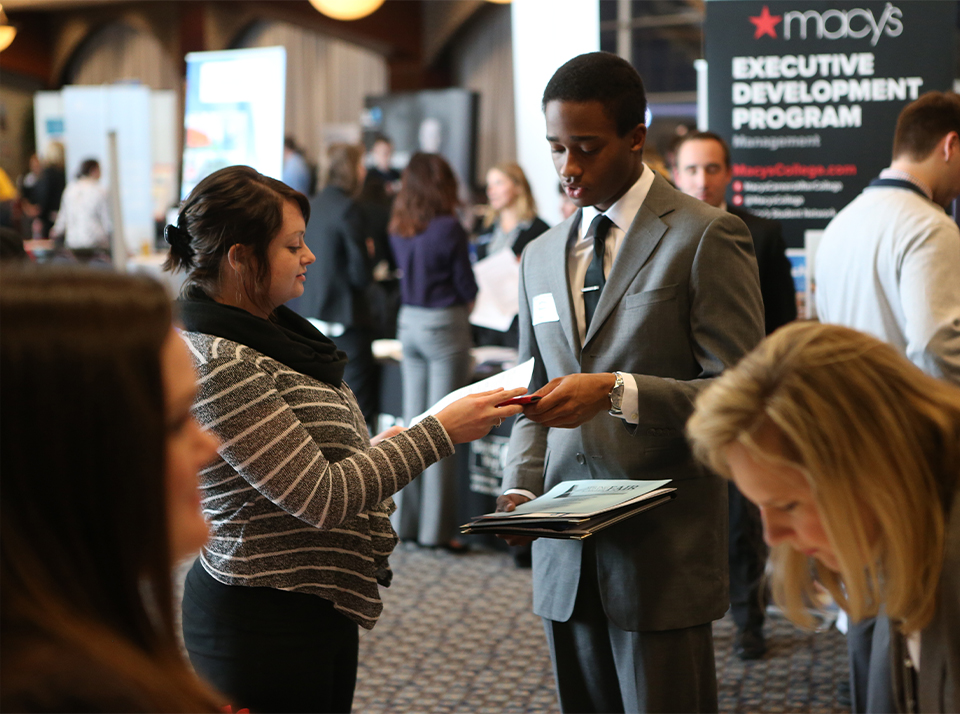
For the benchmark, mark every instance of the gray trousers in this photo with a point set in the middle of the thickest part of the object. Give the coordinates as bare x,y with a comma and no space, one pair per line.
600,668
436,360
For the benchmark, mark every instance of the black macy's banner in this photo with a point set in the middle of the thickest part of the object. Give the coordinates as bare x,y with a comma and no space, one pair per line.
808,93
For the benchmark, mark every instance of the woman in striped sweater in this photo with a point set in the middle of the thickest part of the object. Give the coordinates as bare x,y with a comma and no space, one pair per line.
299,498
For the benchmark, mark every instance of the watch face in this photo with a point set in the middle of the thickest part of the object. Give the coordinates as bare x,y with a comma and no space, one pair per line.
616,394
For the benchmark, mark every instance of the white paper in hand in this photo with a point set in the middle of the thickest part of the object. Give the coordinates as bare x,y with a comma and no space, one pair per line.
498,282
514,378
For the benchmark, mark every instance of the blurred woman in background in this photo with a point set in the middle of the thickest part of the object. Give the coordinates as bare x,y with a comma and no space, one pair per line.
510,222
98,494
511,219
84,216
335,289
853,456
48,190
437,290
299,497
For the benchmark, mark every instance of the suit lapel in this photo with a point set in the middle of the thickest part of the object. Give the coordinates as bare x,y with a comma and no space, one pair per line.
641,240
556,269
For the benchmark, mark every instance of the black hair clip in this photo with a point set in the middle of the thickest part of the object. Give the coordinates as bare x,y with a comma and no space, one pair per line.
179,240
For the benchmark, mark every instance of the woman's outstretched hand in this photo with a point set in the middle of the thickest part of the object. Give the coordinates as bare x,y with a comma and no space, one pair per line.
392,431
475,415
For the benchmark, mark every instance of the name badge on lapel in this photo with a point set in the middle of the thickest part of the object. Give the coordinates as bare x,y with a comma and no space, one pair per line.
544,309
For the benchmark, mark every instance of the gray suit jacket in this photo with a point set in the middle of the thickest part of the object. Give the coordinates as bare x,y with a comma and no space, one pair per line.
938,683
681,303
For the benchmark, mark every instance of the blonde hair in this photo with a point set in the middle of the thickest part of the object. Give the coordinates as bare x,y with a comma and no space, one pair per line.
526,206
342,167
878,442
54,155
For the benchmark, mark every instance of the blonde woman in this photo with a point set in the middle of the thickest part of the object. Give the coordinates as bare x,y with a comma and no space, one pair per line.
853,456
510,223
511,219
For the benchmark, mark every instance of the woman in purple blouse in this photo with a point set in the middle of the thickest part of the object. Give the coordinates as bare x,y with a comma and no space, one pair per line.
437,290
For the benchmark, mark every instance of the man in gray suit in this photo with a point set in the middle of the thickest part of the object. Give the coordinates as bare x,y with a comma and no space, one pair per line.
629,307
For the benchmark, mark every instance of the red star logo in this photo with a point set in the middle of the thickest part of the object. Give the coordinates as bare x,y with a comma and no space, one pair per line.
765,23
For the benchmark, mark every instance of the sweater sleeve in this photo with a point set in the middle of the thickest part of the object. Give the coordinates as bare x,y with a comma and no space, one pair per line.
264,441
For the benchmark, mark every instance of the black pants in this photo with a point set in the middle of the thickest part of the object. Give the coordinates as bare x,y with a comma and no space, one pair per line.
748,558
269,650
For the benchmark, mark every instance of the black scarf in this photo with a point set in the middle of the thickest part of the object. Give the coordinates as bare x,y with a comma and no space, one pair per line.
288,338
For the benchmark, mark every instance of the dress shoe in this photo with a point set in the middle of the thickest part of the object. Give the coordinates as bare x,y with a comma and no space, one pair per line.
455,546
750,644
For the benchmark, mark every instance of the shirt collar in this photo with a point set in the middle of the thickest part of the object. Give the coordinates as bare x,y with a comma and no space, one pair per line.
625,209
910,178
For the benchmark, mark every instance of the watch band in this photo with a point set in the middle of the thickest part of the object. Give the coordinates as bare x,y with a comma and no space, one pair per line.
616,396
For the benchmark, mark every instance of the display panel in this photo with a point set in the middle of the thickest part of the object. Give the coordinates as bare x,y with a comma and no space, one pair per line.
234,112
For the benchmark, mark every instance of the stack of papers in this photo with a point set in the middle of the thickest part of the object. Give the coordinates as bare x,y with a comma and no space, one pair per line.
575,509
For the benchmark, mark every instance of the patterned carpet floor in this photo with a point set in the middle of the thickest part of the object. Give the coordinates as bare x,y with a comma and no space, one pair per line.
457,635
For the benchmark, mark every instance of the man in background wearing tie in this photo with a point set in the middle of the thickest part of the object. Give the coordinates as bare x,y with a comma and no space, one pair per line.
703,171
629,307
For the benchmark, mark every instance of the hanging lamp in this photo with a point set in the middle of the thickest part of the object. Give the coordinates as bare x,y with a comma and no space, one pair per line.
7,31
346,9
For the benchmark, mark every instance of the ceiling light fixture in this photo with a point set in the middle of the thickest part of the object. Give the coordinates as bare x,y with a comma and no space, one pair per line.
7,31
346,9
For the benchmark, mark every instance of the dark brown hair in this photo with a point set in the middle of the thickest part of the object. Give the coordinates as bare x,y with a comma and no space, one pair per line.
87,167
343,164
84,555
233,206
923,123
428,189
703,136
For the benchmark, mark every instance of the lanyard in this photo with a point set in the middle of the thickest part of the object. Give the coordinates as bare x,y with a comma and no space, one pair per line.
897,183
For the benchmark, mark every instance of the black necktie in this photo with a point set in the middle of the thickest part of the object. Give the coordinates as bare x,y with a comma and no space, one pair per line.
594,281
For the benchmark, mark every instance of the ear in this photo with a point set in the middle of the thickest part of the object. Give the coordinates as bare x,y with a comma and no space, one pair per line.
237,257
638,136
951,146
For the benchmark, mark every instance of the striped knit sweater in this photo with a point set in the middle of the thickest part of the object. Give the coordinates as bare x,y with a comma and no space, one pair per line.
298,499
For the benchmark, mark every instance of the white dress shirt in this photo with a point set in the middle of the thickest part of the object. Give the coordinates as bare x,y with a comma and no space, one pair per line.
580,250
84,215
580,253
888,265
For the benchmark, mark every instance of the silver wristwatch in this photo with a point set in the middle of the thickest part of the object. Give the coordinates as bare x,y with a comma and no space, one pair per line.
616,396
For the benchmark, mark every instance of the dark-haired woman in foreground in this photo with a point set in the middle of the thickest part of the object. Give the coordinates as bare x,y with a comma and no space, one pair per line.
98,494
437,289
299,498
853,456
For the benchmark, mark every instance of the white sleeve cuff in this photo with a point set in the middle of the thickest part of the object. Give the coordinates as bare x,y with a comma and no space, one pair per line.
520,492
630,404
